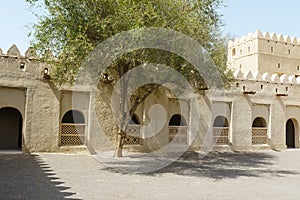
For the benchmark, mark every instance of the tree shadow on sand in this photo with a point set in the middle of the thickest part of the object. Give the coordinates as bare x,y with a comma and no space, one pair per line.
215,165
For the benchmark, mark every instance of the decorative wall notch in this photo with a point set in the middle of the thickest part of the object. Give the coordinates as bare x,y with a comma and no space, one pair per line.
245,91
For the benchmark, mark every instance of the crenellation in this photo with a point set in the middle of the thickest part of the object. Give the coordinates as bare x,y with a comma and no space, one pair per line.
298,80
249,36
238,74
230,43
258,34
275,78
294,41
248,75
277,38
49,55
14,51
257,75
266,76
287,39
283,78
243,39
30,53
292,79
266,35
237,40
273,36
280,38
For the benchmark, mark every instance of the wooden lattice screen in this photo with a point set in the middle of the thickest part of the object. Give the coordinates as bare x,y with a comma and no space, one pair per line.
72,134
220,135
178,134
133,135
259,136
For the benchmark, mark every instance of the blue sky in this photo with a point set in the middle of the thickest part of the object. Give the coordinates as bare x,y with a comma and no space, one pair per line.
14,16
240,17
279,16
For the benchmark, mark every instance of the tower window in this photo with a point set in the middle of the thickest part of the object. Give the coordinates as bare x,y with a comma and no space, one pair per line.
298,67
289,52
272,49
22,65
241,52
233,52
278,65
248,49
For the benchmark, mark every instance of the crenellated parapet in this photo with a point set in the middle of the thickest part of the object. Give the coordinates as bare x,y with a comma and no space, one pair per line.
266,77
266,85
14,52
15,66
265,36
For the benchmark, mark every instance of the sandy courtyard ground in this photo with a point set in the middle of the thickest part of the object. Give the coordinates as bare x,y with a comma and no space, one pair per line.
226,175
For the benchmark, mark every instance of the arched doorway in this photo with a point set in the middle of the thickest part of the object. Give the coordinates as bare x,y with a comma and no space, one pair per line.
10,128
290,134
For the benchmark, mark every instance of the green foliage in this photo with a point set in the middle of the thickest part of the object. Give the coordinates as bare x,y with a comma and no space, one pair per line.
71,29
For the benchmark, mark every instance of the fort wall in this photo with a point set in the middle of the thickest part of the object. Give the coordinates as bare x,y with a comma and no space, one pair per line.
261,90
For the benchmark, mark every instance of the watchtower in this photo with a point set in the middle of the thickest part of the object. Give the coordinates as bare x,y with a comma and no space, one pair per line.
264,52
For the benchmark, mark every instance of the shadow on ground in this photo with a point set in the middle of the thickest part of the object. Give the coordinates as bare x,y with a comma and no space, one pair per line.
28,177
215,165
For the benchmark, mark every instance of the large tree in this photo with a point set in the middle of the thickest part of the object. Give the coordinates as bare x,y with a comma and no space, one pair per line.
71,29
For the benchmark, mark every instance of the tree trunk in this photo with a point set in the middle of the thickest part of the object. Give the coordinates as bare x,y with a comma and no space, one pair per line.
119,144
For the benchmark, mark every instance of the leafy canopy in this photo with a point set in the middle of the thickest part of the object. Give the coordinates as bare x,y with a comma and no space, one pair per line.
71,29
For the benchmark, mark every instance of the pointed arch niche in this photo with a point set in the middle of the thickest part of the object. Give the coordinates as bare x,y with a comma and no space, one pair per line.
221,130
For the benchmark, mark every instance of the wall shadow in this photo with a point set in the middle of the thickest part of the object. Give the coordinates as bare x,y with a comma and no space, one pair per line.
28,177
215,165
